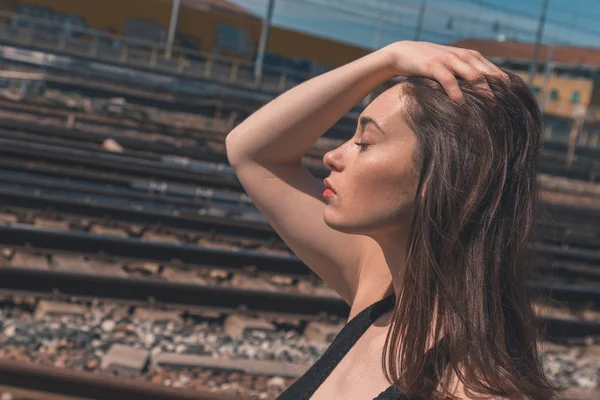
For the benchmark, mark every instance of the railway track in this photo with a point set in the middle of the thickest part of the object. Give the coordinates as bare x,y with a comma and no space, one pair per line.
133,166
240,104
194,237
552,158
75,279
27,381
276,303
178,347
558,239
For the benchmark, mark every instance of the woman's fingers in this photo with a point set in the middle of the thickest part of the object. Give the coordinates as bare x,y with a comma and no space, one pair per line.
446,78
469,65
445,64
492,68
477,60
497,71
473,72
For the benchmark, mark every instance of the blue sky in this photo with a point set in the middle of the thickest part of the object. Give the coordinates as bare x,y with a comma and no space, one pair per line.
573,22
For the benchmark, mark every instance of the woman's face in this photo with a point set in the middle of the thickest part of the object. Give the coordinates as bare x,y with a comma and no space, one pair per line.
374,185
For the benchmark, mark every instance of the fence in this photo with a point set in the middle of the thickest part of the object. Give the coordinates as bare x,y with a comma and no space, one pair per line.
126,51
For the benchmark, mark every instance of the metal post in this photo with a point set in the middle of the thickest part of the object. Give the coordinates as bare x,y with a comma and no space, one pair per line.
420,20
94,47
234,71
172,28
208,66
124,51
377,43
579,115
153,56
264,37
548,72
369,98
538,39
572,142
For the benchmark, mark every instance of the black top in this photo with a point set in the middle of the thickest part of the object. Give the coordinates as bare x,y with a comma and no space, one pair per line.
308,383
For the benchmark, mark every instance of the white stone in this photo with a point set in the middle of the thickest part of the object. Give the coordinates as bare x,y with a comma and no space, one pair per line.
9,331
276,381
108,325
149,339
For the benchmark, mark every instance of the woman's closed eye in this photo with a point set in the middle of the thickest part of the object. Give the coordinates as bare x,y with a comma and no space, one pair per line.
363,145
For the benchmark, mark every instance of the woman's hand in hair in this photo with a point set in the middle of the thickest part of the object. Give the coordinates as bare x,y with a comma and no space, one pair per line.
442,63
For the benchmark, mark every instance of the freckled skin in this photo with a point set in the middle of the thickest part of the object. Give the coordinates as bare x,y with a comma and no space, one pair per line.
375,188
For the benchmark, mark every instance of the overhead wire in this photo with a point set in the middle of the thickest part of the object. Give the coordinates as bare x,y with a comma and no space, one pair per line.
443,34
512,11
395,18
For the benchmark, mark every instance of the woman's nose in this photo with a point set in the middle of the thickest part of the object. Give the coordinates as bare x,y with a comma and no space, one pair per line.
331,159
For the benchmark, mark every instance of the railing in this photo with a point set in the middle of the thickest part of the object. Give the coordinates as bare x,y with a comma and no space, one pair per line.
127,51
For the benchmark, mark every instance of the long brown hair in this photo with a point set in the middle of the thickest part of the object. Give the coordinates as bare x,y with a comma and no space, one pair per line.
468,255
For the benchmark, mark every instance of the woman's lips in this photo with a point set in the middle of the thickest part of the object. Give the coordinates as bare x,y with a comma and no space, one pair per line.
328,185
328,193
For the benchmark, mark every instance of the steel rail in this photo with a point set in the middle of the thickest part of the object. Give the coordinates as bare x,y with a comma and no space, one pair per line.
67,382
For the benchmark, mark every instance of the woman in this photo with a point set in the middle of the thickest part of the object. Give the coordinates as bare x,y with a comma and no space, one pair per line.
424,225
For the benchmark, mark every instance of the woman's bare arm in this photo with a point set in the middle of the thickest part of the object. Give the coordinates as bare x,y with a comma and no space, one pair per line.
266,151
284,129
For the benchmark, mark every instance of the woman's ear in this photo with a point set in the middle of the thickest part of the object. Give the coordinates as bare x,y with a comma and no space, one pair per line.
423,191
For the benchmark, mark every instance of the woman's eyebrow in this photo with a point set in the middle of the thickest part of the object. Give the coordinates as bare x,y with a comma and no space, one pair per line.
363,121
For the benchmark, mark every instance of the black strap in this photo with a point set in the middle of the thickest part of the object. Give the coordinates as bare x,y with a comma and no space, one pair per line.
308,383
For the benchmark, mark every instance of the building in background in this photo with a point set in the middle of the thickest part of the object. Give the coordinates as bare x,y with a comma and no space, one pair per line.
566,84
208,26
567,80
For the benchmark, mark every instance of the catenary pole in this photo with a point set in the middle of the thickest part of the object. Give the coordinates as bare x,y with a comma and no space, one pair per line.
420,18
172,28
538,39
264,38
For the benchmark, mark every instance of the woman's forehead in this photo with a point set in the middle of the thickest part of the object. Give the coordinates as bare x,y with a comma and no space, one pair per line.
387,110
